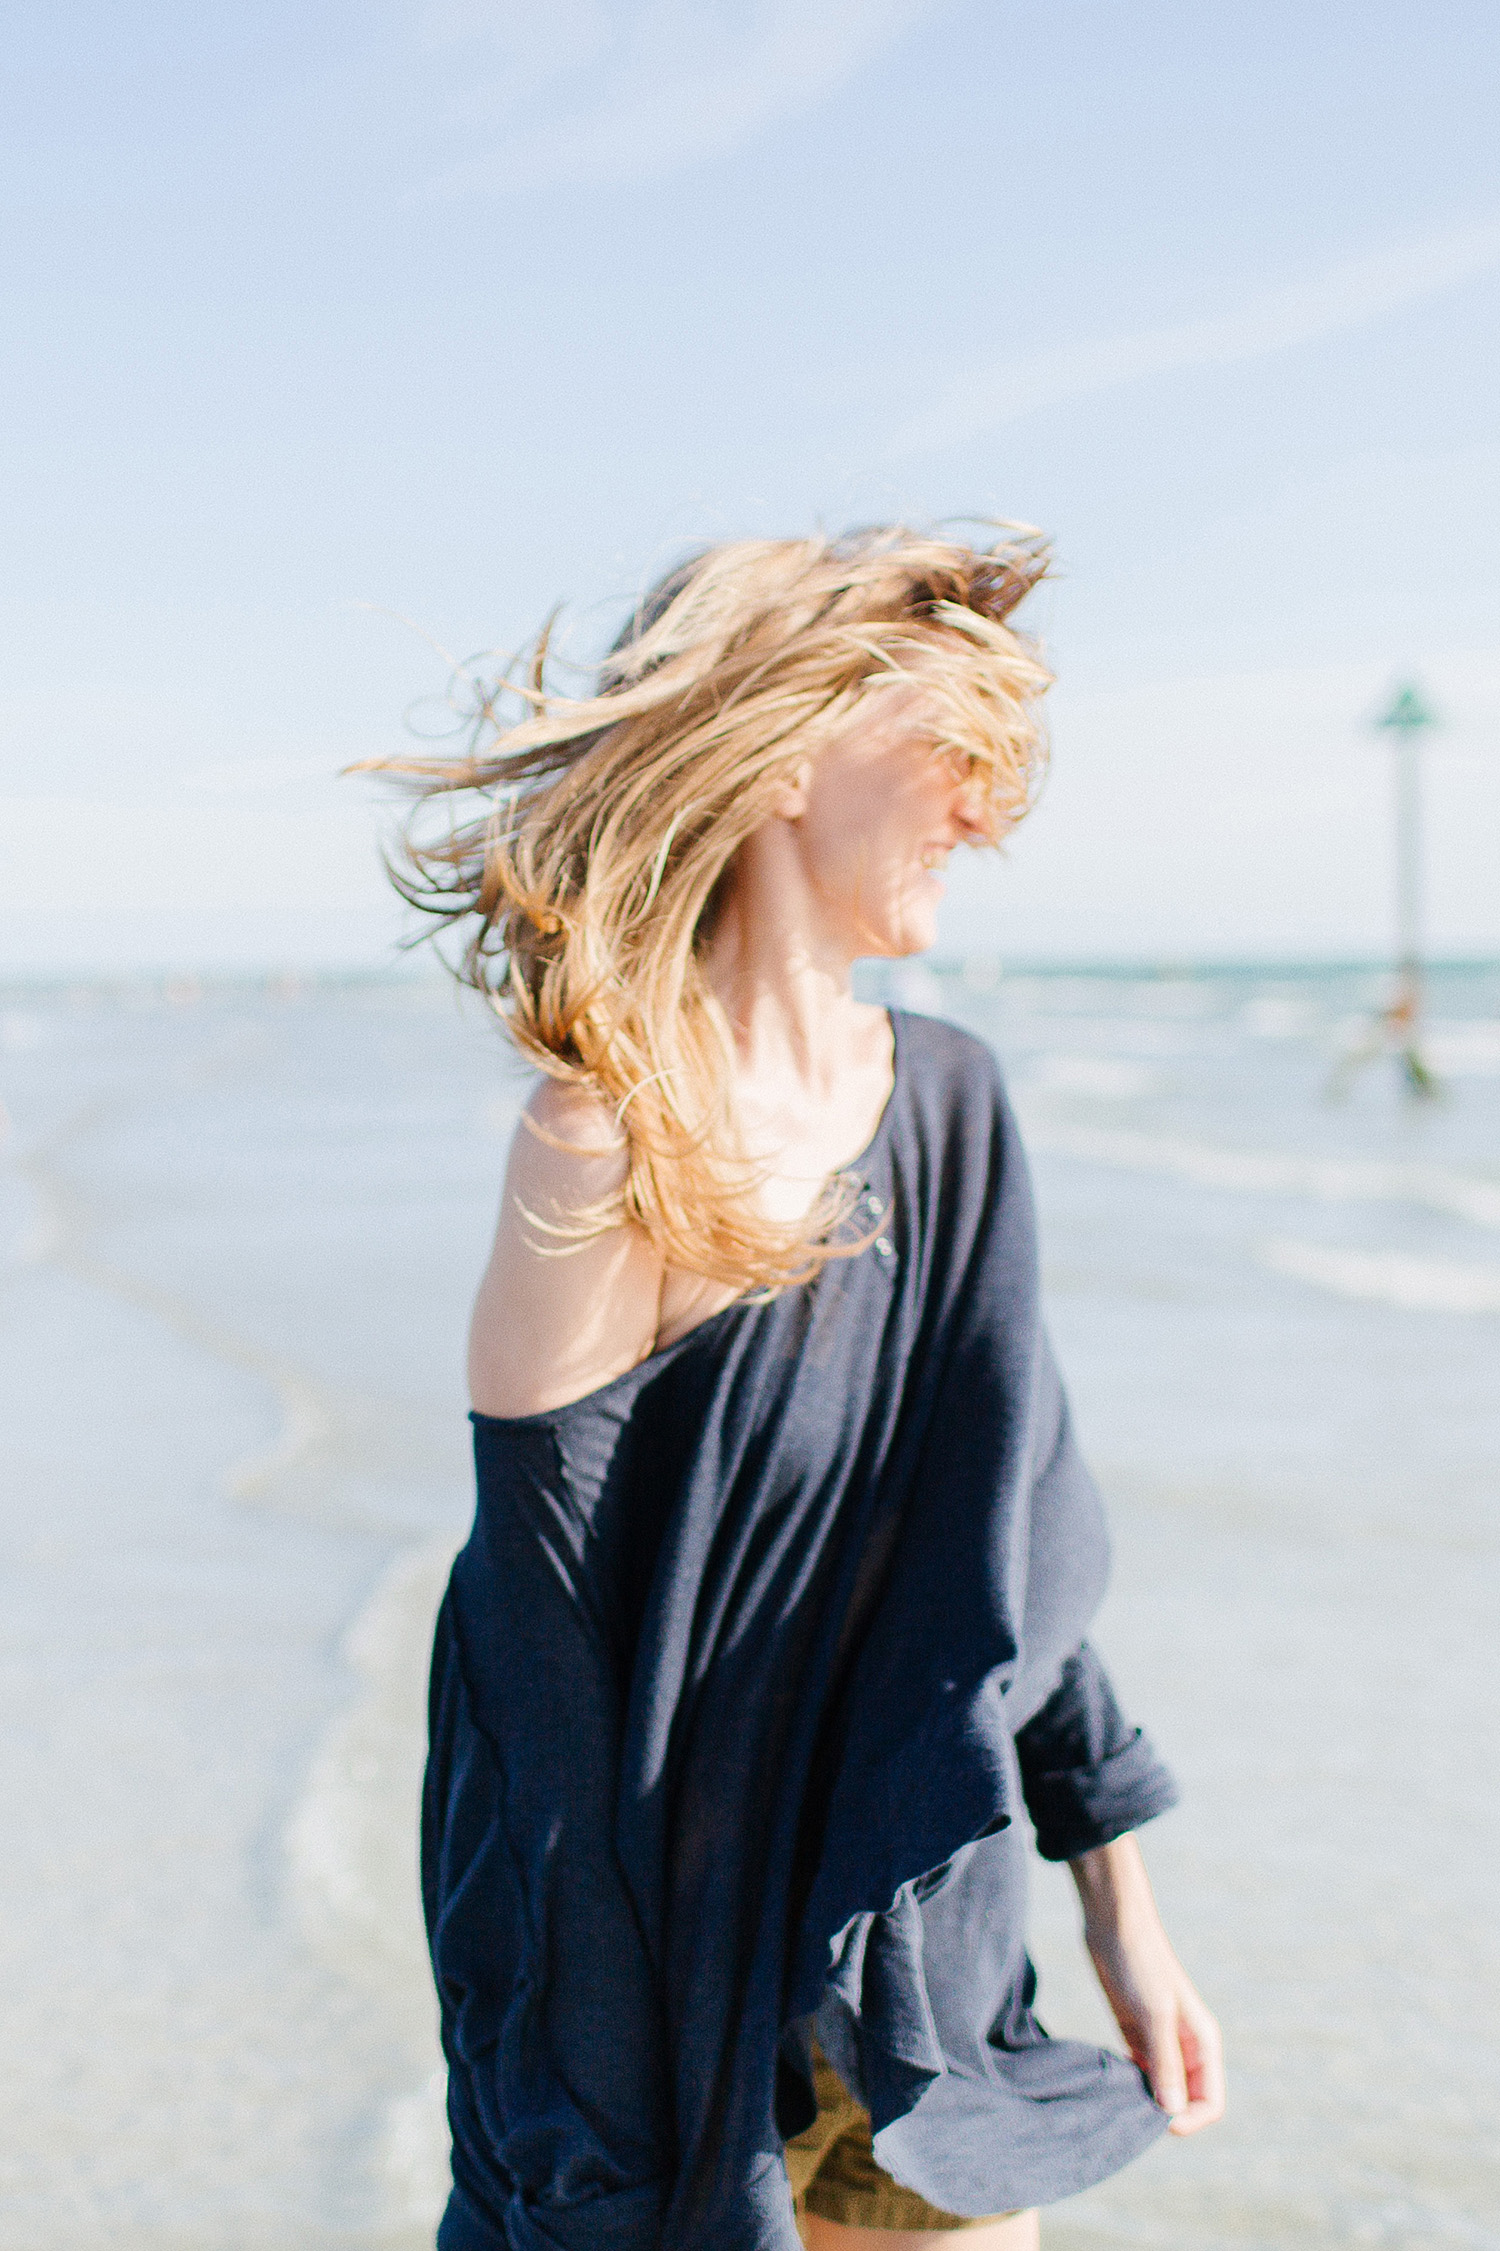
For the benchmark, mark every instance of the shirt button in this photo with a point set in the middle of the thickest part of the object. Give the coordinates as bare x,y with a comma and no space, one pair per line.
884,1247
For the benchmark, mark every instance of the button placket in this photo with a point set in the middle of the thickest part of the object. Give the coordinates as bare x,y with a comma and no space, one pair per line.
872,1208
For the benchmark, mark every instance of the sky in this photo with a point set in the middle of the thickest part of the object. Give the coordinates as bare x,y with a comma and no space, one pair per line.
342,335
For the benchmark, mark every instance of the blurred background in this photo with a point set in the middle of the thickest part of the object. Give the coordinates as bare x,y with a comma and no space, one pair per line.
342,338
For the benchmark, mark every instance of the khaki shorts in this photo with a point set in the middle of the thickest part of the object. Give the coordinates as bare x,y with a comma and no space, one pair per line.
833,2171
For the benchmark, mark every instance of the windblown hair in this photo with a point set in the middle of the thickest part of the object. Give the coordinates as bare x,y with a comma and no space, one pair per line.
586,880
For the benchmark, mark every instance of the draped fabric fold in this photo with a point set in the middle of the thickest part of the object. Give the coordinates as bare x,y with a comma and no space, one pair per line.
754,1666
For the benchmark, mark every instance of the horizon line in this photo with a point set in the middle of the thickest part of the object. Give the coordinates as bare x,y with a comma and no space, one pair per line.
1155,965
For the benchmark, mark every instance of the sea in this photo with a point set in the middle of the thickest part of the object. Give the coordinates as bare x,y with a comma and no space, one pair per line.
240,1226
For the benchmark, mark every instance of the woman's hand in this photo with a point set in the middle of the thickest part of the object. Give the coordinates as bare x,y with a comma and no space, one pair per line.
1167,2029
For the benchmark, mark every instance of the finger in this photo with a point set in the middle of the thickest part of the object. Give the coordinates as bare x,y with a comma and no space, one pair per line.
1194,2117
1206,2087
1193,2060
1203,2054
1164,2064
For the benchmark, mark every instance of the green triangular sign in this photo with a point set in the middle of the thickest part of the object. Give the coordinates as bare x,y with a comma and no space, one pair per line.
1408,712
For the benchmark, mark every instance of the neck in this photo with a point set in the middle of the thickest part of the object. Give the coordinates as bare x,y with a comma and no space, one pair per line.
780,972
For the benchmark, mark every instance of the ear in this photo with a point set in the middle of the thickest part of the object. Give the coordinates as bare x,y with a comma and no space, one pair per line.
790,801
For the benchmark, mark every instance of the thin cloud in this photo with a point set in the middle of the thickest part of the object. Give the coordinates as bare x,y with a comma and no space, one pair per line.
682,81
1364,289
524,46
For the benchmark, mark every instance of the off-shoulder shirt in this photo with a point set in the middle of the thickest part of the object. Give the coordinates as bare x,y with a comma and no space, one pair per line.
754,1665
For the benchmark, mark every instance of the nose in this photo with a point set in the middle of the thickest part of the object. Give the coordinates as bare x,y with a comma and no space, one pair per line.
970,811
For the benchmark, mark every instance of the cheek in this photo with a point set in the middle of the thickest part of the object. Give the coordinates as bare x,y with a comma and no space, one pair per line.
870,860
868,823
873,879
913,817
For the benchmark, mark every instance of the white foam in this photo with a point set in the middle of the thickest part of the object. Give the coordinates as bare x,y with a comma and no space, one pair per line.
29,1233
414,2155
1460,1048
1280,1016
305,1423
1124,1035
1099,1078
20,1033
350,1837
351,1848
1424,1285
1340,1180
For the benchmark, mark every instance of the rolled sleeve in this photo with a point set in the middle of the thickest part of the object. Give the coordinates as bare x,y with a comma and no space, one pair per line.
1087,1774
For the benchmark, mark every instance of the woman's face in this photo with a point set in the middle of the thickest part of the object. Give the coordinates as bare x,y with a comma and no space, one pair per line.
877,812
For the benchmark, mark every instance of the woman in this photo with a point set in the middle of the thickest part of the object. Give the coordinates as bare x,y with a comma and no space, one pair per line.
769,1635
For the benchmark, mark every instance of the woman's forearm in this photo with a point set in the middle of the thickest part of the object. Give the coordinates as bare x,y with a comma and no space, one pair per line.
1113,1887
1168,2030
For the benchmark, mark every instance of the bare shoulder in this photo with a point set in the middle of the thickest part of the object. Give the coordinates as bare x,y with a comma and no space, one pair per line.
565,1128
557,1317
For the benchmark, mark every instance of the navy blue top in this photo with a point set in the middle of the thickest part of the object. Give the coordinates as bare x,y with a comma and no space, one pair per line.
750,1668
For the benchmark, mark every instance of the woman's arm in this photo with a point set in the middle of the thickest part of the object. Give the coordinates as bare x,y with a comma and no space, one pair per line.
1090,1779
1167,2029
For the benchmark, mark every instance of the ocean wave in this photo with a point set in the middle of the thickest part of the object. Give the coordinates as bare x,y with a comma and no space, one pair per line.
1340,1180
1423,1285
1464,1048
1098,1078
352,1860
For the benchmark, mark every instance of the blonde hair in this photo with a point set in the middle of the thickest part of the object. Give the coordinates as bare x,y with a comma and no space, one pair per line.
585,884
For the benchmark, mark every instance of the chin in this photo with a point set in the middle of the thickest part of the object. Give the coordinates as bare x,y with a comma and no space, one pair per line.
918,934
910,928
